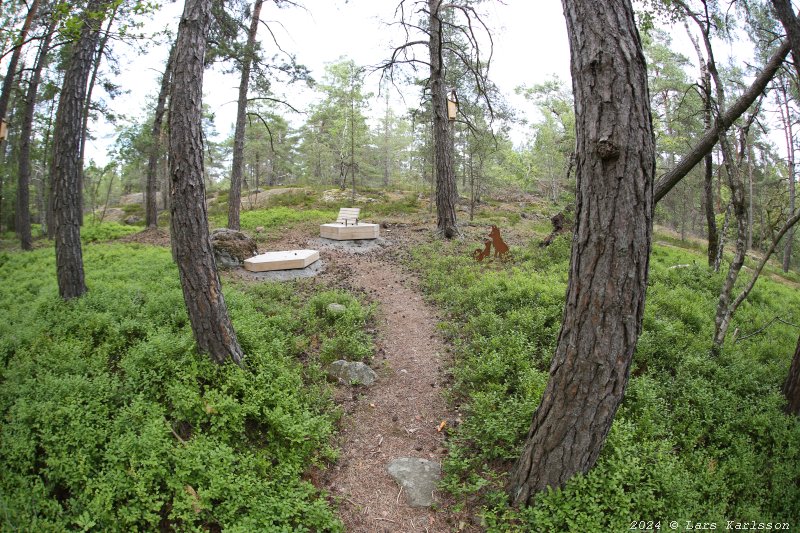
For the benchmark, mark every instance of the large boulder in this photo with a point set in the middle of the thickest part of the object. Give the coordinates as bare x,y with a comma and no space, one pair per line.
232,247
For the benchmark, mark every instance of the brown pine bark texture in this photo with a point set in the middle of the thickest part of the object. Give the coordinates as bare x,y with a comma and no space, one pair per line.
66,167
446,192
191,243
610,249
791,389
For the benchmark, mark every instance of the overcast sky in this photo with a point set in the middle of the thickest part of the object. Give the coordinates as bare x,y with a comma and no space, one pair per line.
530,45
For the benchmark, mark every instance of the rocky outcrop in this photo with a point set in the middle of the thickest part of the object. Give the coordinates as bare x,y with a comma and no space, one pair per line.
232,247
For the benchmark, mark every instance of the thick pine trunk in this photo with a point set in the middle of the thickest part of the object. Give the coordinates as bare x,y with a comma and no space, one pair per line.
610,249
202,292
151,195
791,389
26,132
65,169
446,193
235,195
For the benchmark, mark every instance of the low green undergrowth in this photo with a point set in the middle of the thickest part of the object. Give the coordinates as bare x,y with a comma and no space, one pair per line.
275,219
113,422
106,231
696,439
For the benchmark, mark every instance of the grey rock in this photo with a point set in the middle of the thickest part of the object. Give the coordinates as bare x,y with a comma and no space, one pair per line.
336,309
232,247
132,220
352,372
417,478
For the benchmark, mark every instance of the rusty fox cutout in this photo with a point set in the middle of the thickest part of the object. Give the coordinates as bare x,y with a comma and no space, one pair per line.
479,254
500,247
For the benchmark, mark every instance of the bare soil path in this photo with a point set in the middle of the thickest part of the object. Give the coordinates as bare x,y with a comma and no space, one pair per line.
400,415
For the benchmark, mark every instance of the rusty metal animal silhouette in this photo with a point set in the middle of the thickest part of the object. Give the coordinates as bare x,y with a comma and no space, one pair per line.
500,247
479,254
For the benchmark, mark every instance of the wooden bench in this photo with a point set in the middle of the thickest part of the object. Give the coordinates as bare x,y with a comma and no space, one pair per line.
348,216
348,227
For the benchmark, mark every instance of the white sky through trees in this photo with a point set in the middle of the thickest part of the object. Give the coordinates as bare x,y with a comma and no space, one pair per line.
530,45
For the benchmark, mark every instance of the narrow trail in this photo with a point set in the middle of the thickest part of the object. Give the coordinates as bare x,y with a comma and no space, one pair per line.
400,414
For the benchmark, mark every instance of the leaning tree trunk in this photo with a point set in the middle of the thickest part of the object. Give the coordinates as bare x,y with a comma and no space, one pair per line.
65,169
446,193
151,199
202,292
791,389
235,195
610,249
26,132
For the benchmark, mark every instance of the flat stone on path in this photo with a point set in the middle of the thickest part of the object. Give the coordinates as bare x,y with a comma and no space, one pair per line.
352,372
417,478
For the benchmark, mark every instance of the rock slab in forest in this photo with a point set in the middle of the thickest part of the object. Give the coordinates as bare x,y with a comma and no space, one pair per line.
352,372
231,247
417,478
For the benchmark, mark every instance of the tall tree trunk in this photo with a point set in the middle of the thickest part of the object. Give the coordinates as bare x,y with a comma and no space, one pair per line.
708,160
8,83
791,388
202,292
92,81
446,193
610,249
26,132
235,195
151,200
791,24
65,168
49,215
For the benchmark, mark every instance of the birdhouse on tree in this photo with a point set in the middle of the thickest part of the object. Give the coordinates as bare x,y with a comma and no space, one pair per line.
3,130
452,105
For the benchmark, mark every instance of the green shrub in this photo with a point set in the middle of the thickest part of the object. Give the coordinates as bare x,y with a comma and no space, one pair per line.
113,422
696,438
106,231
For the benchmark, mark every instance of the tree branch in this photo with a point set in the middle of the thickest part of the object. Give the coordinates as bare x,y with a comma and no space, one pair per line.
666,182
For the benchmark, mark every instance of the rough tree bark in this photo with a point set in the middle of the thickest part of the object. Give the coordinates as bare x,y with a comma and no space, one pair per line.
235,195
791,24
151,195
26,132
446,193
65,168
791,388
202,292
610,249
